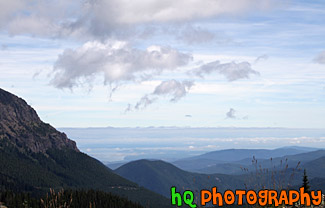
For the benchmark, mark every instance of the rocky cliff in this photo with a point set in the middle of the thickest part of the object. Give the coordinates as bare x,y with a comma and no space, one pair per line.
20,124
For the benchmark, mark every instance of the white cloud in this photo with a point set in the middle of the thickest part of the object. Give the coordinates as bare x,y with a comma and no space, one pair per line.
117,62
320,58
143,103
231,113
232,71
172,88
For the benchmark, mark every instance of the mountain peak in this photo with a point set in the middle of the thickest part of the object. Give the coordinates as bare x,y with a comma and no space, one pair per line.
21,126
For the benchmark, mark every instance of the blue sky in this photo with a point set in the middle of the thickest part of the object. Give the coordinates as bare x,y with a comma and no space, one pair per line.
178,63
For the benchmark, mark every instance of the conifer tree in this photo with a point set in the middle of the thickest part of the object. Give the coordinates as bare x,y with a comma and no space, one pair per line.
305,183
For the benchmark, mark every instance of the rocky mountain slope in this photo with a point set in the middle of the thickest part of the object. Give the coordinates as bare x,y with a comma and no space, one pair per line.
35,157
20,124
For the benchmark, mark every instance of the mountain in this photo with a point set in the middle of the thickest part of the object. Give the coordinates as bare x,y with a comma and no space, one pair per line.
236,167
35,157
230,161
160,176
317,184
315,171
114,165
21,126
305,149
225,168
315,168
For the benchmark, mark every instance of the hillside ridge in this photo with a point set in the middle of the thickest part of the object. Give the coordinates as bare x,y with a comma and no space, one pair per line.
20,124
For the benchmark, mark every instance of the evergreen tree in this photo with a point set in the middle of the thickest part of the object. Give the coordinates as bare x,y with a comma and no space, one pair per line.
305,183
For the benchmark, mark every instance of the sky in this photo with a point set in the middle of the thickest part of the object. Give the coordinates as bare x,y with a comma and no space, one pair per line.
141,63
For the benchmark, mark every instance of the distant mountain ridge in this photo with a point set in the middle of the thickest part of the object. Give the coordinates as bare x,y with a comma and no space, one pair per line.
235,168
159,176
228,172
232,158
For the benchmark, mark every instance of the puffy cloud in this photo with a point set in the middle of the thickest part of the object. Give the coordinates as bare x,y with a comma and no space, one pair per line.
172,88
320,58
232,71
231,114
117,62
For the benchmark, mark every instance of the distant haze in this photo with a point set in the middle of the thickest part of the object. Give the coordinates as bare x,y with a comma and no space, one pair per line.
171,143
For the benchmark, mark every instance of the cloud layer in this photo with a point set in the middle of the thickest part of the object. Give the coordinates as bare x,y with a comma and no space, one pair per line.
117,63
102,18
40,18
140,11
111,29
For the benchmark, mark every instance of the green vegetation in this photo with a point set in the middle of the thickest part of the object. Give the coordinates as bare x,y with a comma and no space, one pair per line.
66,199
36,173
160,176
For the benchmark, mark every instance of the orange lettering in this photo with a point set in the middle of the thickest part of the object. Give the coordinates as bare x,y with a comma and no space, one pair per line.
204,199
